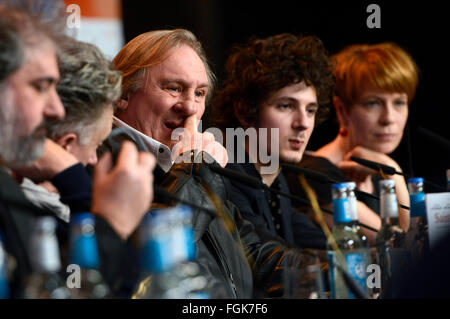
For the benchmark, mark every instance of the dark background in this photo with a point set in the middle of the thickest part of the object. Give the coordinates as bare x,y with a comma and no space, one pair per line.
420,27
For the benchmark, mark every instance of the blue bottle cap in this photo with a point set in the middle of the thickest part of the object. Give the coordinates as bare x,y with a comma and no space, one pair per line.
339,186
415,180
351,185
386,183
83,218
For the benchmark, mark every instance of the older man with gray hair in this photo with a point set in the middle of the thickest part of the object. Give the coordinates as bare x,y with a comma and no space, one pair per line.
28,78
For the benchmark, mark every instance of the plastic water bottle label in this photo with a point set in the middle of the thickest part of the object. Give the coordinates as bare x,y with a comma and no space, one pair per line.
389,206
4,287
356,267
158,254
417,206
341,210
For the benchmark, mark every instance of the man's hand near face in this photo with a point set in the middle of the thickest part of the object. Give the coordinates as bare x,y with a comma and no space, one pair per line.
53,161
191,139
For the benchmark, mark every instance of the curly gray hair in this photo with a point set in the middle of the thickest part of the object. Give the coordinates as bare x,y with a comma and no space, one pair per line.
88,86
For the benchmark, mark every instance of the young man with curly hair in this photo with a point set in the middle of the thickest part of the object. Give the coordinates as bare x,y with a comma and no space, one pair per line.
281,86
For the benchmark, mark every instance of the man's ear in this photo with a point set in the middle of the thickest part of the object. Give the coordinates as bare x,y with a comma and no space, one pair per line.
68,141
239,110
122,103
341,111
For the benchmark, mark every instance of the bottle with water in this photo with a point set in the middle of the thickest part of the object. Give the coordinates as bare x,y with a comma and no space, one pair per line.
86,282
168,267
353,250
417,235
46,281
4,284
448,179
354,214
393,256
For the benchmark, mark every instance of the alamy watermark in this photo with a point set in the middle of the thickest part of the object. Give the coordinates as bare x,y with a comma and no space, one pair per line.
257,140
374,19
73,20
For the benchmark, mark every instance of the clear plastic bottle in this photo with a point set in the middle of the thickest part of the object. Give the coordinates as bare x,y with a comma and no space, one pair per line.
350,245
354,213
84,254
168,267
4,284
417,235
46,281
393,256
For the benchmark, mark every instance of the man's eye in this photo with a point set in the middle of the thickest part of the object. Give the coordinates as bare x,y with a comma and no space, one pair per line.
174,88
200,93
41,87
312,110
284,106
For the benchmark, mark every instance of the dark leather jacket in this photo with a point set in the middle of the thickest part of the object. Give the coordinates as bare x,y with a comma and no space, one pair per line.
237,262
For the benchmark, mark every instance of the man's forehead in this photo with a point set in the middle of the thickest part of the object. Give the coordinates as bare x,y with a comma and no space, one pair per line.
43,60
182,64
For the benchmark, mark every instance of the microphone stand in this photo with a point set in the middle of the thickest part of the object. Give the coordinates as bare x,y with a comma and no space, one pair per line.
255,183
388,170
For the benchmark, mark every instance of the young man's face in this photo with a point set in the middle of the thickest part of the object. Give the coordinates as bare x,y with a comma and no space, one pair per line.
170,92
292,110
28,97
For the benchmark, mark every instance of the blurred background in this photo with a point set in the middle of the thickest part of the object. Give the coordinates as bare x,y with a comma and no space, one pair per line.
419,27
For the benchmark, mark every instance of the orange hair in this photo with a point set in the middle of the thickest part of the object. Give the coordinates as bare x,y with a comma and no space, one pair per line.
384,66
151,48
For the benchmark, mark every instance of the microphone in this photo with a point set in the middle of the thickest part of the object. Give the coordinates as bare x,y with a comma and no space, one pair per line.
255,183
388,170
322,178
435,137
166,197
376,166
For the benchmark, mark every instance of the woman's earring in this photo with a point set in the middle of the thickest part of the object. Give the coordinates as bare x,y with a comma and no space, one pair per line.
343,132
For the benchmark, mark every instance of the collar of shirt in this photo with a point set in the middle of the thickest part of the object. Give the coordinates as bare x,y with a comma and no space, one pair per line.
162,152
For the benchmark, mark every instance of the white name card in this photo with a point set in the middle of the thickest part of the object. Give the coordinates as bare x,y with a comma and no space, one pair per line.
438,215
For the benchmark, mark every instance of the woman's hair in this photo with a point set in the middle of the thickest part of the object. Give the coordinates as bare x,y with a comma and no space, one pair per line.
88,86
151,48
262,66
383,66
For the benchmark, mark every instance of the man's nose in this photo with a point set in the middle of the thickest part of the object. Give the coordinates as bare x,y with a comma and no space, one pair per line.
54,107
301,121
187,103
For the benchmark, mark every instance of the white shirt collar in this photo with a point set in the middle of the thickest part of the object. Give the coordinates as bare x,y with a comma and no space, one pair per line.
162,152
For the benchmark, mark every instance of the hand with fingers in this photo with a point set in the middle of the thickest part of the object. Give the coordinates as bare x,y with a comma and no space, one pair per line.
190,139
53,161
123,194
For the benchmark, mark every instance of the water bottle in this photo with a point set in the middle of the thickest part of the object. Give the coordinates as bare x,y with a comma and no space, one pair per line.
4,285
354,251
46,281
448,179
417,236
86,282
354,213
392,254
168,267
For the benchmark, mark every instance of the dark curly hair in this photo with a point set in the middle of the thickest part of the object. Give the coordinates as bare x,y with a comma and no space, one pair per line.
259,68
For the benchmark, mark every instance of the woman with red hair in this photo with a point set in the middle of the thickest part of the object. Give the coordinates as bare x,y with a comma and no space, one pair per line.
374,87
